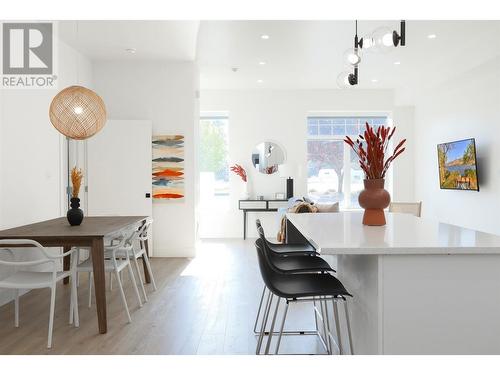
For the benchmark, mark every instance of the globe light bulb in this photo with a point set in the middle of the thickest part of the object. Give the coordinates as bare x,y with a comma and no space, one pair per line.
78,110
382,39
352,57
343,80
368,43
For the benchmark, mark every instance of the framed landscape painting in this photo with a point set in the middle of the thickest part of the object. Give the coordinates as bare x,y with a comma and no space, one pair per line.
168,167
457,165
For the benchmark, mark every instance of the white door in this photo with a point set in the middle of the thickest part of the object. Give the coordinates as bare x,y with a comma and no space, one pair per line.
119,169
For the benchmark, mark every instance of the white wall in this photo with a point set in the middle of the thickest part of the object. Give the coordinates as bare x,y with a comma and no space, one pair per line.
467,106
165,94
32,152
280,116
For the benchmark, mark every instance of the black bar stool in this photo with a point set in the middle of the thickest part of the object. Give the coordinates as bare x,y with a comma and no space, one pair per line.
295,288
286,249
288,262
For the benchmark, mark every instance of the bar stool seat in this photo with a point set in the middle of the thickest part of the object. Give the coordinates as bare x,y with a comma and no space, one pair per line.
299,264
292,249
307,285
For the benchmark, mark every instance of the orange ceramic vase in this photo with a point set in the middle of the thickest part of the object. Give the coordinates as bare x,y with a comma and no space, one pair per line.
374,198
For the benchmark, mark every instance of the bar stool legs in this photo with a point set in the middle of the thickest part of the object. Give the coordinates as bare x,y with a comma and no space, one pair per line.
337,326
281,329
349,333
329,339
271,330
258,311
264,322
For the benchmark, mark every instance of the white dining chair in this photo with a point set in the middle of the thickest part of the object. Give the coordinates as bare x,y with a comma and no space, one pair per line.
135,253
115,262
413,208
34,279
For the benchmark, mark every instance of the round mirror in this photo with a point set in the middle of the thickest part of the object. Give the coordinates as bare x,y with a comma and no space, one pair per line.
267,156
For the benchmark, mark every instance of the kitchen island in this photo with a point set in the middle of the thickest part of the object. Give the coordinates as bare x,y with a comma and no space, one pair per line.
419,286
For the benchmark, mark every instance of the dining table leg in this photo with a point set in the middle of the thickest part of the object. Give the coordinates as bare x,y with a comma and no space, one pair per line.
147,278
66,263
99,283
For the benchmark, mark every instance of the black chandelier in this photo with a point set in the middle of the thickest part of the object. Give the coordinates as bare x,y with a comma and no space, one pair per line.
381,40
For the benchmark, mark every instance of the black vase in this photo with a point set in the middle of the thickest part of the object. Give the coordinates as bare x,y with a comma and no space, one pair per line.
75,214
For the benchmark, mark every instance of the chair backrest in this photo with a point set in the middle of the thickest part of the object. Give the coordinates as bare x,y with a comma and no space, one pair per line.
130,236
414,208
260,230
6,245
267,272
143,230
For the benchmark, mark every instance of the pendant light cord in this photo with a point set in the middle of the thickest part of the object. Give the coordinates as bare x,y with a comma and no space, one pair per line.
76,54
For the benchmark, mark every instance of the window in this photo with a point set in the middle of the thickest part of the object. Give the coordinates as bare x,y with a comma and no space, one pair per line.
213,161
333,172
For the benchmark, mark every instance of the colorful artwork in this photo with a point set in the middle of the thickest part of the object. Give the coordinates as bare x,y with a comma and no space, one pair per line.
457,165
168,167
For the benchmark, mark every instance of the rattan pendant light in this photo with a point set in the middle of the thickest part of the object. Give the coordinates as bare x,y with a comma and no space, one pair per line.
77,112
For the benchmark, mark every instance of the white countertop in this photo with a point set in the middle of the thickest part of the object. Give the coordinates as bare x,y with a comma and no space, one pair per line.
343,233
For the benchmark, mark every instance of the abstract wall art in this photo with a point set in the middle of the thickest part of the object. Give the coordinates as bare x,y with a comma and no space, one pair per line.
168,167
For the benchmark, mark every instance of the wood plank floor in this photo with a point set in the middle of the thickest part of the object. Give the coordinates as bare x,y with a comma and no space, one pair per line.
205,305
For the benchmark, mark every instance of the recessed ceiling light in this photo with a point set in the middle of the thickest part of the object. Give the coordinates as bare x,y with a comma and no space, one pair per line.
374,80
260,81
131,50
432,36
264,36
397,62
262,63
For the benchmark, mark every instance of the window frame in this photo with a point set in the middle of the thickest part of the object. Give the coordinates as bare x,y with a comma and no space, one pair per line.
346,185
215,115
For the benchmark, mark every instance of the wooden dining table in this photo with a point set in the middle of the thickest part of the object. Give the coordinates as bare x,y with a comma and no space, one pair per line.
91,233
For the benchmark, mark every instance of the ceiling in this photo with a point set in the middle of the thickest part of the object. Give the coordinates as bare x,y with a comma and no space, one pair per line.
309,54
152,40
297,55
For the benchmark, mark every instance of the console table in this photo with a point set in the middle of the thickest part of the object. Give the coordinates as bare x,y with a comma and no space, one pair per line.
254,205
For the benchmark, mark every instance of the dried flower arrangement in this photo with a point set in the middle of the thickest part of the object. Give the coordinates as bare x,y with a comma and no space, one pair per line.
76,180
372,159
240,171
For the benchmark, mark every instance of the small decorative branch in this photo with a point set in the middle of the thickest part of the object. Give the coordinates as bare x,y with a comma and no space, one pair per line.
371,149
76,180
240,171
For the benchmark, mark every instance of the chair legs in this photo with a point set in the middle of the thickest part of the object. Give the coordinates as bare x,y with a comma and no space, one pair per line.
134,283
140,279
349,334
271,330
258,311
74,314
51,316
150,271
281,329
264,322
122,294
91,281
337,326
16,308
